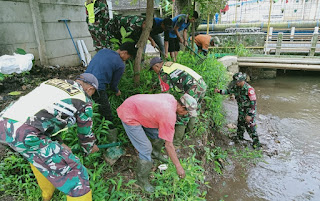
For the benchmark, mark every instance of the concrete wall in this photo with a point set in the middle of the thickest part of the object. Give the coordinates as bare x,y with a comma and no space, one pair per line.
33,26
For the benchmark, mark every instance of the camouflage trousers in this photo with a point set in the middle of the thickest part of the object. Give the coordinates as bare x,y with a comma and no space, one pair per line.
198,92
63,169
250,127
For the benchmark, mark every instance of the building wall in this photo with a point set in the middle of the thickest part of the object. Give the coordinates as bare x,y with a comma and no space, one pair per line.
258,11
33,26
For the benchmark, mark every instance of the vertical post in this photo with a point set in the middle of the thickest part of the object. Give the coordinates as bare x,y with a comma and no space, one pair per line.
193,26
303,8
109,3
208,23
160,9
240,11
235,17
279,42
292,33
314,41
36,18
270,33
266,43
317,6
172,9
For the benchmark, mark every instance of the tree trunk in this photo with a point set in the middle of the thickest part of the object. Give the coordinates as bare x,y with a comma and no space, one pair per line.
142,41
193,26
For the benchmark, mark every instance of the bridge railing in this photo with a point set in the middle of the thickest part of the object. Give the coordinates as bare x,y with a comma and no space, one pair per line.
283,43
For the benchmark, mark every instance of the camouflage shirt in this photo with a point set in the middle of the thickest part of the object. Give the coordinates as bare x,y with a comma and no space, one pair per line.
245,96
54,105
178,78
104,29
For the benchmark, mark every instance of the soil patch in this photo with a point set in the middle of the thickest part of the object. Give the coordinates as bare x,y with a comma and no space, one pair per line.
25,82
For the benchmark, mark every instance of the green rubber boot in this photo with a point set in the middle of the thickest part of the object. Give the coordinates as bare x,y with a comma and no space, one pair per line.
179,135
143,170
157,145
113,135
191,124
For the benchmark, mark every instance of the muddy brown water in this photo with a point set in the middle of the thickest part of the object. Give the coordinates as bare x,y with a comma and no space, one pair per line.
289,123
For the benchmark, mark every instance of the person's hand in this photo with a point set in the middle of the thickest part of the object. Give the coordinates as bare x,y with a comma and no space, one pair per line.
248,119
94,149
180,172
118,93
153,43
66,147
181,41
185,43
216,90
166,56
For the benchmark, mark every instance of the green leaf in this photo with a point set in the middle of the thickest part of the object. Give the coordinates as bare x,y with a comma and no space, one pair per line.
15,93
124,40
114,40
123,32
20,51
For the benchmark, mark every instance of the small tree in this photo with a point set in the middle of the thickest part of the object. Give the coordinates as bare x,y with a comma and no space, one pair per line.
142,41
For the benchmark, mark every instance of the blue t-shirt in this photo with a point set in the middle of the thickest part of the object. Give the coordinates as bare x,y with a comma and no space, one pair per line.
108,68
157,29
180,21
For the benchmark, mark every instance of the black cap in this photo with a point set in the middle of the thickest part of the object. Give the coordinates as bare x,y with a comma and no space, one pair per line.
130,48
195,14
168,24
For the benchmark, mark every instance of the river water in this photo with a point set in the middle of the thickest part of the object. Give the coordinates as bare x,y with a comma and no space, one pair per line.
288,122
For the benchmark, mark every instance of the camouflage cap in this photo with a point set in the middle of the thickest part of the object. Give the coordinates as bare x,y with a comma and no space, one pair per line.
238,77
190,103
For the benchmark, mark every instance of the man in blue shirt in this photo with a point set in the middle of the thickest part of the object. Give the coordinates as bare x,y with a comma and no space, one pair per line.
108,66
180,23
159,26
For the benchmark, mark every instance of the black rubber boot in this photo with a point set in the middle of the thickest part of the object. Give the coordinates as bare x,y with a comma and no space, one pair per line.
143,170
157,145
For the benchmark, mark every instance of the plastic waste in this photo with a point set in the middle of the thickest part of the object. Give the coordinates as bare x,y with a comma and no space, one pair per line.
15,63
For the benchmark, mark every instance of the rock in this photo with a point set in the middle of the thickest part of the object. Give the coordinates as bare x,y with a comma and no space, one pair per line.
233,69
229,61
231,126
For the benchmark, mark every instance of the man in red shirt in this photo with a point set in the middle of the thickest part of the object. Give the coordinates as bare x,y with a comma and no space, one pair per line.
153,115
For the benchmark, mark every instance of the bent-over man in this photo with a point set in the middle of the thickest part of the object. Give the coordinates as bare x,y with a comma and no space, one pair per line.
28,125
153,115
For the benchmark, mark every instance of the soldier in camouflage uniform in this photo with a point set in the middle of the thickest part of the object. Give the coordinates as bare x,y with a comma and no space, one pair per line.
178,80
28,124
247,106
104,28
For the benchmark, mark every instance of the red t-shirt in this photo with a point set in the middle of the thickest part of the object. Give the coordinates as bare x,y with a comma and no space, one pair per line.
151,111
